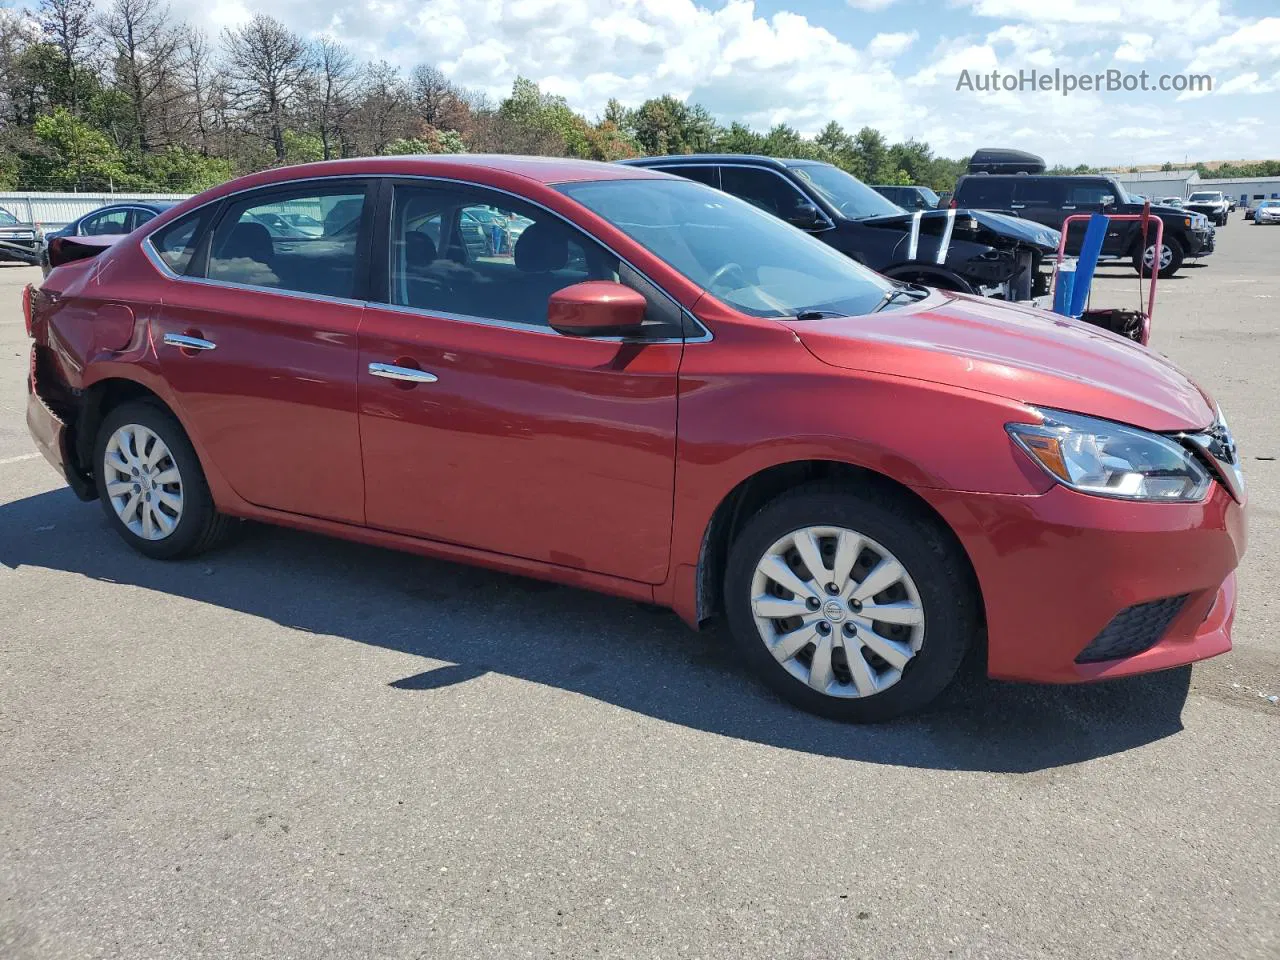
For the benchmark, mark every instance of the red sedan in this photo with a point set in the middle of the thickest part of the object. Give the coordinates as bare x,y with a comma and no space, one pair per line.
659,392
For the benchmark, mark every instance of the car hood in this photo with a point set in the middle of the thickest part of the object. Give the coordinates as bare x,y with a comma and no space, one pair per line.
1017,352
1025,231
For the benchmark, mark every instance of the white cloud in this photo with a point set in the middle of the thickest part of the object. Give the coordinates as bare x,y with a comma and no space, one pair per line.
1137,48
887,46
870,5
1254,43
1139,133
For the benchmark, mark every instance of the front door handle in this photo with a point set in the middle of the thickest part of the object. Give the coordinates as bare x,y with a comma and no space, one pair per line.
188,343
390,371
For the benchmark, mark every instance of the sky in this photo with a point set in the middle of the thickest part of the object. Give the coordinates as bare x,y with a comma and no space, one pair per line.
891,64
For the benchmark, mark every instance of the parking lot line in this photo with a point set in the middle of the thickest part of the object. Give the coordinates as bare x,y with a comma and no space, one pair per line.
19,459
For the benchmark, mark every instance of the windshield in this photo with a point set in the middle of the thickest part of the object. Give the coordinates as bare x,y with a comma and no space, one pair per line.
7,219
745,257
1206,197
846,194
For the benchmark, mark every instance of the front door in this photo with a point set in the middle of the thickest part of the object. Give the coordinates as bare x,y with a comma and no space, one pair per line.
482,426
259,341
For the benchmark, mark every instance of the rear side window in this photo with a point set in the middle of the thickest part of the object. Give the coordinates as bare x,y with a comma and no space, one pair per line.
107,222
703,174
305,240
1034,193
176,243
985,193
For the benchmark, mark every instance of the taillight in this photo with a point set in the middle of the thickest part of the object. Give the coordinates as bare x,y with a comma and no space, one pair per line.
27,293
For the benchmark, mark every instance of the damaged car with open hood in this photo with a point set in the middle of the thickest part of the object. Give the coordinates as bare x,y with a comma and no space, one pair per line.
966,251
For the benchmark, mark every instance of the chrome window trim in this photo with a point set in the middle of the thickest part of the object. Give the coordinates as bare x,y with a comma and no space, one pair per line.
152,254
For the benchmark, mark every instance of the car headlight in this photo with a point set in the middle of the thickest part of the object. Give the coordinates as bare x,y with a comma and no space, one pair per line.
1112,460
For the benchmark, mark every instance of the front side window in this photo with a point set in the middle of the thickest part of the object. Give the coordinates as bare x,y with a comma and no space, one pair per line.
1088,194
108,222
762,188
7,219
271,240
465,252
747,258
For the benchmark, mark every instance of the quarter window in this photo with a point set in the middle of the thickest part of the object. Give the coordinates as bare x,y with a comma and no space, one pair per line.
305,240
176,243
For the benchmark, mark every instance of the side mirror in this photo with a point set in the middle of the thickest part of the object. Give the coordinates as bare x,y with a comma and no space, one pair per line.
1108,202
596,308
806,216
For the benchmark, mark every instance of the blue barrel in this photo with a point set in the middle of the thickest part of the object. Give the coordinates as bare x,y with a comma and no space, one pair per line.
1063,286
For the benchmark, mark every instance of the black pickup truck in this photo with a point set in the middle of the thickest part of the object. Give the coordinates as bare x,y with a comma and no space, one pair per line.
969,251
1049,200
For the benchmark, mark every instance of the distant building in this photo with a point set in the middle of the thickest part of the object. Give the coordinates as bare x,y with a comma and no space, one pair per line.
1183,183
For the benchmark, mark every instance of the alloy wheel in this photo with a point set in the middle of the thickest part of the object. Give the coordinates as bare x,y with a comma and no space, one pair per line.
837,610
1166,256
143,482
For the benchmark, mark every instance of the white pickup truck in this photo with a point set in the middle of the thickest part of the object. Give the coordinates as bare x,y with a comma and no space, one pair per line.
1211,203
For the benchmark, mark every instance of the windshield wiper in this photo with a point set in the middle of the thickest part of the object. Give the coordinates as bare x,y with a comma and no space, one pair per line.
912,291
819,314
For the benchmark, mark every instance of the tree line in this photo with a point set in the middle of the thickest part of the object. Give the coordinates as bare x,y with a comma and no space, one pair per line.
129,97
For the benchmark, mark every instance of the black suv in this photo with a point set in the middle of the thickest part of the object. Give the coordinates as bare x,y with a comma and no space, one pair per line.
970,251
1050,200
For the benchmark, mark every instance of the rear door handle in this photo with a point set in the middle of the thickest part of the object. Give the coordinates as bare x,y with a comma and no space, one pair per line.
188,343
390,371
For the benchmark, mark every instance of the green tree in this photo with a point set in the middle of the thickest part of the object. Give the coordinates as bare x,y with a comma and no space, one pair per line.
739,138
666,125
72,155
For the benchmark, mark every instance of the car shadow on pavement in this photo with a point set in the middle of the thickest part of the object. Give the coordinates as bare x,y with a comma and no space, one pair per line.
469,622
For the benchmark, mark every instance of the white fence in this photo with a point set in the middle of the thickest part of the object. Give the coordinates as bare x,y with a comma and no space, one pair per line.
53,210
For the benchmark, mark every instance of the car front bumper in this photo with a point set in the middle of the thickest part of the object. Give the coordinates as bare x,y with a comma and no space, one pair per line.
1201,242
1068,578
20,249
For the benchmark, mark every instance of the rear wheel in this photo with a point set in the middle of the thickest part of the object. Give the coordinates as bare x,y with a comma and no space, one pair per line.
1171,257
855,606
152,488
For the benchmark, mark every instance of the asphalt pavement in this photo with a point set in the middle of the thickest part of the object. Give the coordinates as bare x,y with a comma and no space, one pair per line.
297,747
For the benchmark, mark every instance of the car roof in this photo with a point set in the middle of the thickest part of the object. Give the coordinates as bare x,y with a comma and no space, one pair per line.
750,159
546,170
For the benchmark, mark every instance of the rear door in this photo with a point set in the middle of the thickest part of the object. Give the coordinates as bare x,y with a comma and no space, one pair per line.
1040,199
257,334
982,192
481,425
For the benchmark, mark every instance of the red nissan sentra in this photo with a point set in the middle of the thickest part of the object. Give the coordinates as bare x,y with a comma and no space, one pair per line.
626,381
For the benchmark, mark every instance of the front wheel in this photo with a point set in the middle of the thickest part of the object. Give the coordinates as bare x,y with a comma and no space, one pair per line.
852,605
1171,257
151,485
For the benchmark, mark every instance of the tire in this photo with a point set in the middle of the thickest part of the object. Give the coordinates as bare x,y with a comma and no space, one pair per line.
936,570
197,526
1176,256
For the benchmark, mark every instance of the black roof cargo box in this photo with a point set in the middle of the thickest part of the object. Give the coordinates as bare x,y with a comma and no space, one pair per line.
991,160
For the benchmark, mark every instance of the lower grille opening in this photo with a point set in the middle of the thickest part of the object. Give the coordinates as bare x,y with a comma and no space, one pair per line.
1133,630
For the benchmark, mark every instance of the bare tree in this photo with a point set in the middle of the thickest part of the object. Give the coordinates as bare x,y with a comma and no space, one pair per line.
268,70
438,102
383,114
203,85
333,91
147,50
69,26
